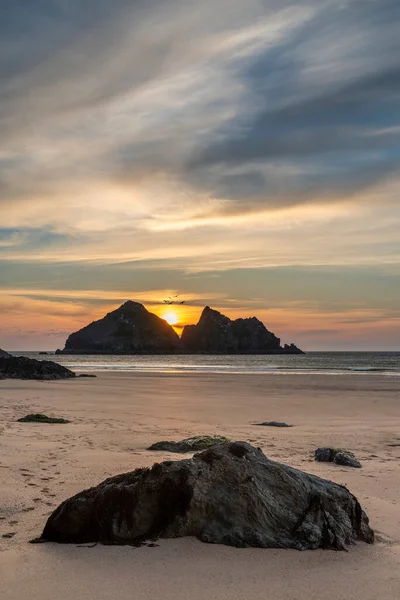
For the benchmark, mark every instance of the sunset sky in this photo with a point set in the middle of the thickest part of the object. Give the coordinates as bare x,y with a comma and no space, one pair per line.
244,155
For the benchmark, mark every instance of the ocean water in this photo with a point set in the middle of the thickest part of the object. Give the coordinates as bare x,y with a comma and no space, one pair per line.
338,363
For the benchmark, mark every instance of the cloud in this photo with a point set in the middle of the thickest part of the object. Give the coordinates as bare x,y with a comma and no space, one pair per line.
324,117
273,101
167,139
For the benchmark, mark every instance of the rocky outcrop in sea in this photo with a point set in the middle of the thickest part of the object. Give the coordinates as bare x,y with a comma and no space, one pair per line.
132,329
217,334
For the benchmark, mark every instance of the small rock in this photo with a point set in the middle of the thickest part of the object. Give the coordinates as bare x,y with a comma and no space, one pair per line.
191,444
273,424
87,375
337,456
39,418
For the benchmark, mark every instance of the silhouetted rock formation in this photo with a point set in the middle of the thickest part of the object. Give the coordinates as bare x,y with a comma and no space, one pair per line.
4,354
217,334
291,349
131,329
230,494
19,367
192,444
337,456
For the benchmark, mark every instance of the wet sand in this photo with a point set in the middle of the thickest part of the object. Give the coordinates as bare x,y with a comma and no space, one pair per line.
116,416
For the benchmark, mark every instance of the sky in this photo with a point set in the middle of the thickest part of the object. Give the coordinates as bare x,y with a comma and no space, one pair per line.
243,155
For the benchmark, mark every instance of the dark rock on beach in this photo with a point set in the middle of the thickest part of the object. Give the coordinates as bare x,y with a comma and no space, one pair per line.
131,329
19,367
217,334
4,354
191,444
87,375
337,456
230,494
273,424
40,418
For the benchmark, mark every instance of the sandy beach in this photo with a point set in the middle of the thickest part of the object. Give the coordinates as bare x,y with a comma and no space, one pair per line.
116,416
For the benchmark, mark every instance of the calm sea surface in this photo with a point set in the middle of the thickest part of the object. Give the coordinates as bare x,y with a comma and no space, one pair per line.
339,363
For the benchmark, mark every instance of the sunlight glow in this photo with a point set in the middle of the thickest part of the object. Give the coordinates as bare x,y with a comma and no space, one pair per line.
171,317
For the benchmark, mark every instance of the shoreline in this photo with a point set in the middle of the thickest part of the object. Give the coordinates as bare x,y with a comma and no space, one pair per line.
197,370
314,363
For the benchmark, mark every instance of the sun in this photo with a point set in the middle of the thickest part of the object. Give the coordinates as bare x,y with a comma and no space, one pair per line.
171,317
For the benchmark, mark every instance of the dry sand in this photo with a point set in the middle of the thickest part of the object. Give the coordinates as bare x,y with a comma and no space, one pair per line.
116,416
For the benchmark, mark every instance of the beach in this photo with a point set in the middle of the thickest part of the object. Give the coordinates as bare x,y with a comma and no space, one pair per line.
117,415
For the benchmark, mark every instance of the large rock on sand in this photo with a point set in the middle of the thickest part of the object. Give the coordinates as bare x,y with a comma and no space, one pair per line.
230,494
130,329
20,367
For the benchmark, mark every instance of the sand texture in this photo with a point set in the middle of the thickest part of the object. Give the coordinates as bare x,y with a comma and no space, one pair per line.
115,417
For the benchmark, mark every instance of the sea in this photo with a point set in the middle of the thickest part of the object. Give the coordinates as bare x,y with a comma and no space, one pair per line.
334,363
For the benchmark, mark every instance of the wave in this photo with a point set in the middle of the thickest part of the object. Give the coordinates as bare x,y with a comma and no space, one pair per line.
372,369
234,369
360,364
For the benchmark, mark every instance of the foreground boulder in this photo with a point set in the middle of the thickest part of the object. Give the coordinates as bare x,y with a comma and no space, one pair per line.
19,367
130,329
191,444
40,418
230,494
337,456
4,354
